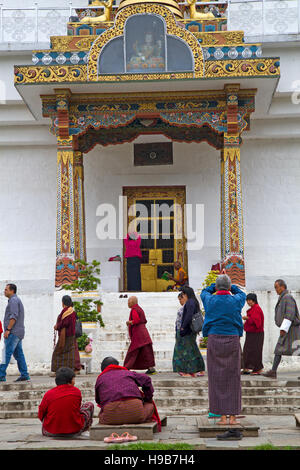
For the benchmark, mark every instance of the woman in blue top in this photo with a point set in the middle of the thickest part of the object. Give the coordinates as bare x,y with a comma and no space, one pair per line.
223,325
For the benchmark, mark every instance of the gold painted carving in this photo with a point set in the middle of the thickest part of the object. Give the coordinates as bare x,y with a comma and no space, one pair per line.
102,18
232,154
242,68
65,156
71,43
195,15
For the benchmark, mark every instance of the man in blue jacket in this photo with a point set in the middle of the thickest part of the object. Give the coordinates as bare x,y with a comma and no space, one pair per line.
223,325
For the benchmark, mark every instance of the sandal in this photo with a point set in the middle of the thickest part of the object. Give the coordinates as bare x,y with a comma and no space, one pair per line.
128,437
114,437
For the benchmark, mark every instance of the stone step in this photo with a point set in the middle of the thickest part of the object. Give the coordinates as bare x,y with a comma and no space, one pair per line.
160,355
123,336
248,393
154,328
258,386
165,402
283,410
124,345
279,410
270,391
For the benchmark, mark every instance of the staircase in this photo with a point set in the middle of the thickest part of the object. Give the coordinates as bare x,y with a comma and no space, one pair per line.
174,395
161,312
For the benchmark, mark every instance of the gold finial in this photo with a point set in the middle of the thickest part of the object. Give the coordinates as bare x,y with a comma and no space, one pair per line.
195,15
100,19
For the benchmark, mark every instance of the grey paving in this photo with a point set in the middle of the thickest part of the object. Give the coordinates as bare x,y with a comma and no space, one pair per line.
23,433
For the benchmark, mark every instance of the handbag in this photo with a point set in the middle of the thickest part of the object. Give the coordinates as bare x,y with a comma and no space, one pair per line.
197,322
78,328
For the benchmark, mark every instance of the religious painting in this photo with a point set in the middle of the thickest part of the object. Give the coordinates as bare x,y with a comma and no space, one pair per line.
145,44
146,48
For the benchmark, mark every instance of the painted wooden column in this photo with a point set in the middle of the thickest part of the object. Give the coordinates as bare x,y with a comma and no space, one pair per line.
232,231
79,207
70,231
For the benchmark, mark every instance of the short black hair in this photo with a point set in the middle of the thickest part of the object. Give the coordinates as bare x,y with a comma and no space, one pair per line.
67,301
12,287
252,296
281,282
107,361
64,375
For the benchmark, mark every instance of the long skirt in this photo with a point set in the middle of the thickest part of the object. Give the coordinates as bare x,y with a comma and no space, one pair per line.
87,411
66,357
224,374
252,351
187,356
134,282
141,358
130,411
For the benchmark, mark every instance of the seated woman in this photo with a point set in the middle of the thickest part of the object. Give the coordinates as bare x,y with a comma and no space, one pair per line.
118,395
181,278
61,411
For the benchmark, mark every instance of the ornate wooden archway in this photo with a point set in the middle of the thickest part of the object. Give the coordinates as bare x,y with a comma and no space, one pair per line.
83,121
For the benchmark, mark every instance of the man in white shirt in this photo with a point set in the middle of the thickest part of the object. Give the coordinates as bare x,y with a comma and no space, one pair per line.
288,320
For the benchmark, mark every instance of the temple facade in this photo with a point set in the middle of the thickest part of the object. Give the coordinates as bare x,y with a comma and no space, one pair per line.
154,117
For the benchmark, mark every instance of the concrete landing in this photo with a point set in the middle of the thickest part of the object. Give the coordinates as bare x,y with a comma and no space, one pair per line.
210,428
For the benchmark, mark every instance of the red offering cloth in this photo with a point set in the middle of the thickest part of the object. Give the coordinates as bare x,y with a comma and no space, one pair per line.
255,323
1,329
59,410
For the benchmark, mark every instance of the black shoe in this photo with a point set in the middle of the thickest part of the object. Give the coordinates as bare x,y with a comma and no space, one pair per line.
22,379
230,435
151,371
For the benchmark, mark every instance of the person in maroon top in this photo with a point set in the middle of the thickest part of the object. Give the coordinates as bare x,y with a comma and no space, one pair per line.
66,352
140,353
254,328
61,410
118,394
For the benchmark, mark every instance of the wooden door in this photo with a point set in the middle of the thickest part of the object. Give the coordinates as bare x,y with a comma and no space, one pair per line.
157,214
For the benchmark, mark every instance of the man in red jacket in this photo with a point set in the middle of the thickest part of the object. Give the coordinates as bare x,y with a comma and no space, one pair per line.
140,353
61,411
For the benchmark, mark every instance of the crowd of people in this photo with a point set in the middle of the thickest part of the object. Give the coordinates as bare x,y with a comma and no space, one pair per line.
117,389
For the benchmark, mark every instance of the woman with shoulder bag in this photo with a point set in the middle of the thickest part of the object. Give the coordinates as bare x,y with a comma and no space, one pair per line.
189,361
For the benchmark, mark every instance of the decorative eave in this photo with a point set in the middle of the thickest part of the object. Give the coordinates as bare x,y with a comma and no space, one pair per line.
64,74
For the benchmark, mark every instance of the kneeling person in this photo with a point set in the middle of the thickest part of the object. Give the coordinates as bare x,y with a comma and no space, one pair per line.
118,395
61,410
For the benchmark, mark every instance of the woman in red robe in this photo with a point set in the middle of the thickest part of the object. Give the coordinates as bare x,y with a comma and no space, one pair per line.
66,352
140,353
254,328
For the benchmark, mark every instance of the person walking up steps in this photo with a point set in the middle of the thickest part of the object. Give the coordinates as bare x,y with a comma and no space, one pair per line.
14,332
140,353
288,320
